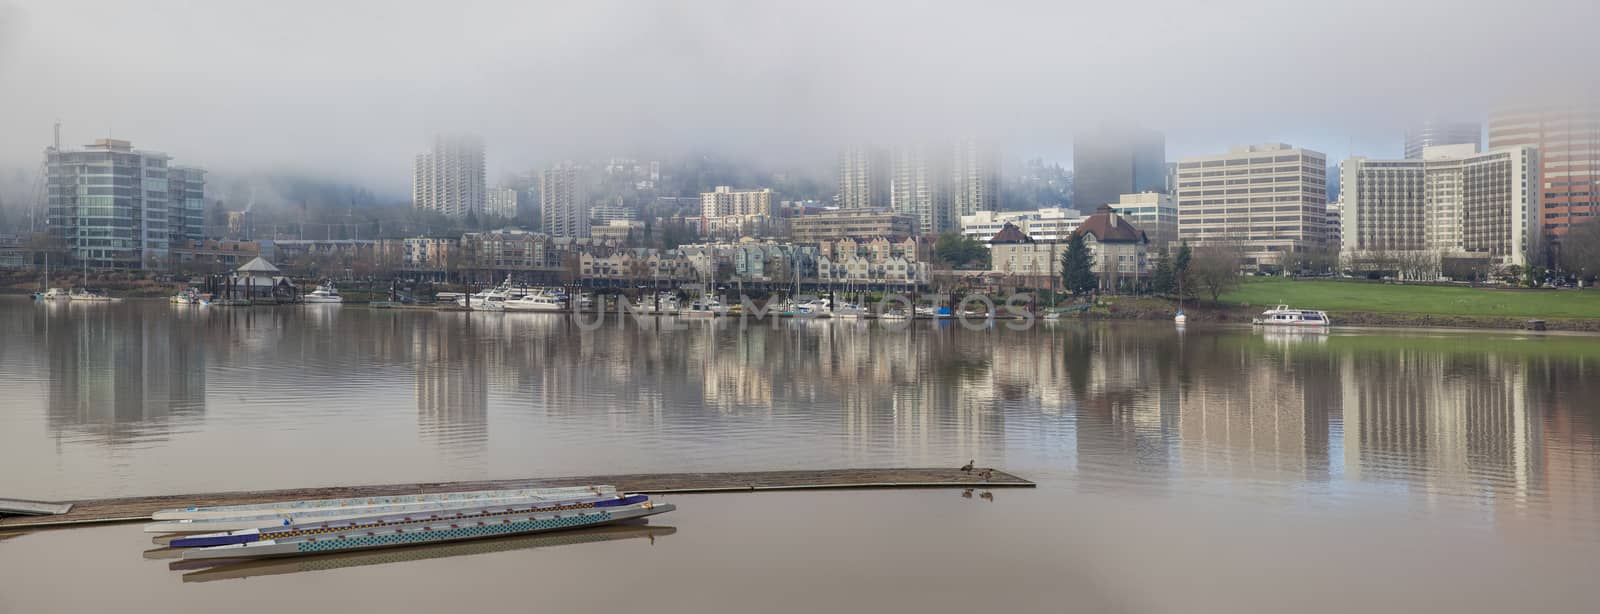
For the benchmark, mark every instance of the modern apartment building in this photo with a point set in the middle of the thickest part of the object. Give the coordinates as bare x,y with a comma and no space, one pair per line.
863,178
1433,132
975,178
450,179
1109,161
501,202
563,202
114,207
1153,212
852,223
919,186
726,210
1453,203
186,203
1271,200
1568,139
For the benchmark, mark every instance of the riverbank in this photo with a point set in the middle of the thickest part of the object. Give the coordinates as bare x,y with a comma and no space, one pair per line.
1358,303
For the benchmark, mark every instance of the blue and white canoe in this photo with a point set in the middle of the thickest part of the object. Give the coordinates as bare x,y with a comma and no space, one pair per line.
367,523
257,516
431,532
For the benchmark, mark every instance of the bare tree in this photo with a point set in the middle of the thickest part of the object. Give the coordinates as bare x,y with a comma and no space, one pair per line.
1580,250
1215,268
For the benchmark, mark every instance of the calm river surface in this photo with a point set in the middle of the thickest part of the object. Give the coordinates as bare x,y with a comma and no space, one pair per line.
1203,470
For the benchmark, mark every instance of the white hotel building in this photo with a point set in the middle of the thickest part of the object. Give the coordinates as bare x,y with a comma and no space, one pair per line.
1453,203
1043,225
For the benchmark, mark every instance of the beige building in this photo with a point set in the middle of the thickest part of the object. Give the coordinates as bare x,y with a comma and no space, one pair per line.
1270,199
863,178
1452,203
855,223
563,202
617,230
730,211
450,179
502,202
1118,250
1155,213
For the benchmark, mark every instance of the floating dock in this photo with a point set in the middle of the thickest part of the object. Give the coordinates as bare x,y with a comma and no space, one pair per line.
133,509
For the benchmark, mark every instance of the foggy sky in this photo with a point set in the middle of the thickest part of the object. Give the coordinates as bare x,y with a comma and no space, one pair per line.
355,89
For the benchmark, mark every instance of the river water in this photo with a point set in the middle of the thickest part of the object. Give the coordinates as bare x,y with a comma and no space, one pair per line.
1210,469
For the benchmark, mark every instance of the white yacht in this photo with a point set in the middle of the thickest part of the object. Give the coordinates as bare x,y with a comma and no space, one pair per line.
324,293
481,300
55,294
90,295
536,301
1283,316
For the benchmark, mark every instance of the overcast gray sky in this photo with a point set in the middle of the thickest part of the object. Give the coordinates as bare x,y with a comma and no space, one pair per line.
356,88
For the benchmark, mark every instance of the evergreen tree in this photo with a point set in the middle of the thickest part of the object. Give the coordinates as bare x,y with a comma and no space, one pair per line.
1180,269
1161,276
1077,274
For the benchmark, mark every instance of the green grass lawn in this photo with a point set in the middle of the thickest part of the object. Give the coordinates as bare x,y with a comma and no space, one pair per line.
1335,296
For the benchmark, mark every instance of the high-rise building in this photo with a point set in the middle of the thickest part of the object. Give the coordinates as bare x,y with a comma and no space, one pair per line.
564,202
863,178
450,179
501,202
1453,203
111,204
1432,133
919,186
1335,226
1568,139
1110,161
975,179
1270,199
728,210
186,203
1153,212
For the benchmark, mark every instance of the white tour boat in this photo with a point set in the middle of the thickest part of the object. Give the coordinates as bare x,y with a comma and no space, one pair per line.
1283,316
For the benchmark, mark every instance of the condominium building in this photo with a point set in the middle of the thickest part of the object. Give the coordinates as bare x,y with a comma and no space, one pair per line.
1109,161
852,223
726,210
919,186
1270,200
501,202
1048,224
863,178
563,202
1154,212
1568,139
975,179
1453,203
450,179
113,206
186,203
1433,132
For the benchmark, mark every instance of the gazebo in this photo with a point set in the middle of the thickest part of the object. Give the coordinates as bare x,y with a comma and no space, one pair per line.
259,280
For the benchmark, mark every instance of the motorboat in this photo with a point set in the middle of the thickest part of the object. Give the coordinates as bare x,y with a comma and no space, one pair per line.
1284,316
536,301
91,295
324,293
1180,318
894,314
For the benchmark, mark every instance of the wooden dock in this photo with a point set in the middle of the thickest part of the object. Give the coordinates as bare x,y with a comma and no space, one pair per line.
140,508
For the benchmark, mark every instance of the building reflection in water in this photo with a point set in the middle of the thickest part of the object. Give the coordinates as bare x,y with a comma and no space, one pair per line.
117,375
452,382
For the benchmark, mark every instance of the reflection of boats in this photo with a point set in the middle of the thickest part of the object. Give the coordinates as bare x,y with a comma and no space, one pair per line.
324,293
404,533
1292,336
211,571
1283,316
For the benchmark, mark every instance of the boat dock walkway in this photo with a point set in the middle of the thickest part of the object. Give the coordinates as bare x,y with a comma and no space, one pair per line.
140,508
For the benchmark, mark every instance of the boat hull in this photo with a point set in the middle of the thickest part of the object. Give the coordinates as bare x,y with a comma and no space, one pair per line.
399,536
295,507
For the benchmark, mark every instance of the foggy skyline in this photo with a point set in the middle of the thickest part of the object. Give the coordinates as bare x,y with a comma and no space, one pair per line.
354,90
